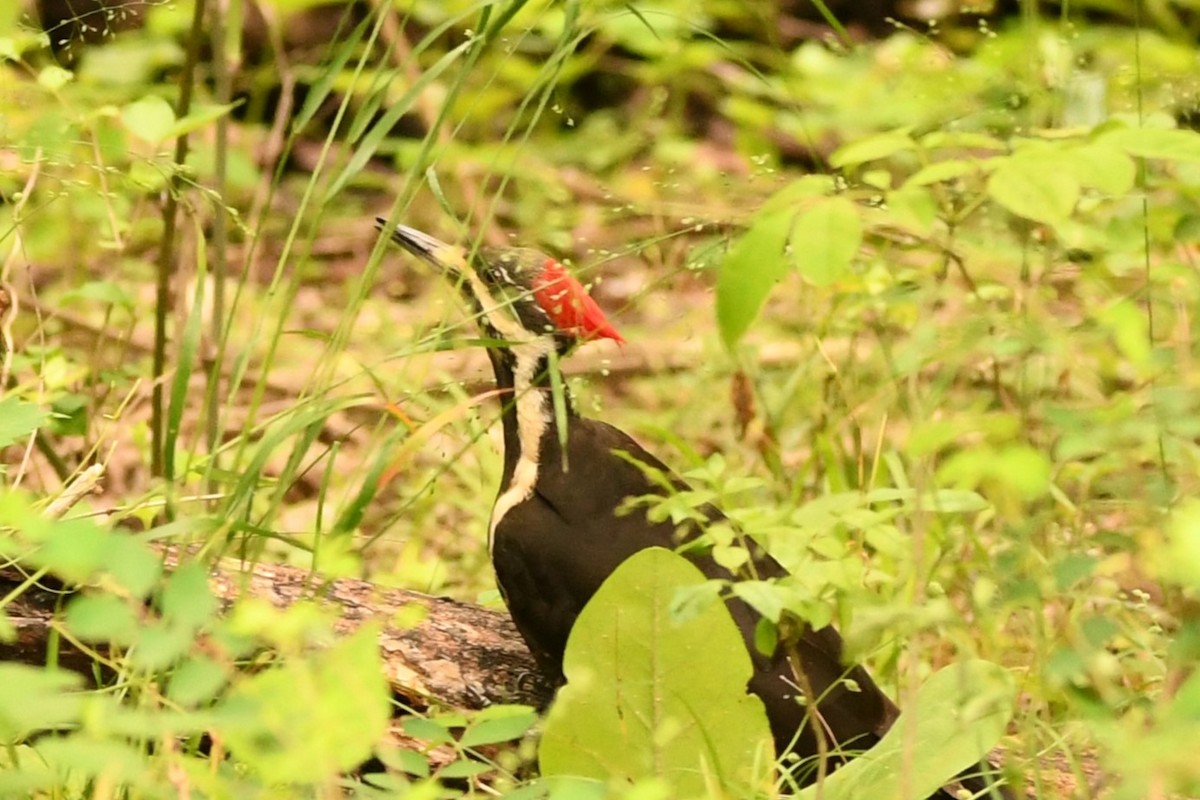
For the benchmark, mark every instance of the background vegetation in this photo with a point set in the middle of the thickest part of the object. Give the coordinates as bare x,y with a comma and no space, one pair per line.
915,308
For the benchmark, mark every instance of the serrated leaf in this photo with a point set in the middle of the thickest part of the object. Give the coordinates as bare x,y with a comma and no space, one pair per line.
753,267
961,712
825,239
645,698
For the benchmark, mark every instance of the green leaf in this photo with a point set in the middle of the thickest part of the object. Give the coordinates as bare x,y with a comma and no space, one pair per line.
86,757
198,118
763,596
912,208
187,599
754,265
313,718
645,698
33,699
151,119
942,171
54,78
500,723
132,564
961,712
74,549
103,618
464,768
108,292
825,239
873,148
196,681
1035,187
19,419
427,730
1102,167
159,645
1167,144
1179,561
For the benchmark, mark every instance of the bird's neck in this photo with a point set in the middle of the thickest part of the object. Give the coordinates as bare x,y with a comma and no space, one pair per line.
524,370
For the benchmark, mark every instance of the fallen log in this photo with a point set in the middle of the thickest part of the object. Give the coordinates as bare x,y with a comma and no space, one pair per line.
456,654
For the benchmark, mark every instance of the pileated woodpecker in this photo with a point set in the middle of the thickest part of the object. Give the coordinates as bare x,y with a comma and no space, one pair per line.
555,534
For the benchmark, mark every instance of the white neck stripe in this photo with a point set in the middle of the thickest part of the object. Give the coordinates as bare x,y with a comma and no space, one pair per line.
532,415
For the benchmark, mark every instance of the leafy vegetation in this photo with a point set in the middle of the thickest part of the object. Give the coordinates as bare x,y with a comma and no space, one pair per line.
917,312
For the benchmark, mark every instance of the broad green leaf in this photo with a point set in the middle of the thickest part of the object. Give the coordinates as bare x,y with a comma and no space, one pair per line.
1166,144
961,712
427,730
764,597
132,564
968,140
754,265
1019,467
196,681
872,148
942,171
1101,166
825,239
1179,561
32,698
187,599
159,645
103,618
796,192
498,724
91,758
18,419
1034,187
314,717
912,208
151,119
644,696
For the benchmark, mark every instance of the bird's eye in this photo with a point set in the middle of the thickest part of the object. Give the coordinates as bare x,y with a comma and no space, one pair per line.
499,273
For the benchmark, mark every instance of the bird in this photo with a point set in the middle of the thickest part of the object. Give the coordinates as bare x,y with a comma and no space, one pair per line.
555,532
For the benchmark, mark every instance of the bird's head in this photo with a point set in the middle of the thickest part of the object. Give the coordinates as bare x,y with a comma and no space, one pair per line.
522,294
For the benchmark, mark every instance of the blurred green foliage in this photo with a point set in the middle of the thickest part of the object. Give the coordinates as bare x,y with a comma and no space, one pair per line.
954,273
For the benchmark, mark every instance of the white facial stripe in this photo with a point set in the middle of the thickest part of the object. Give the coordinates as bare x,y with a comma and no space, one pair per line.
495,312
532,414
532,419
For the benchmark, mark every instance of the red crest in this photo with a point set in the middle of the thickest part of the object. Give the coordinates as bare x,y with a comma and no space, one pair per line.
568,304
